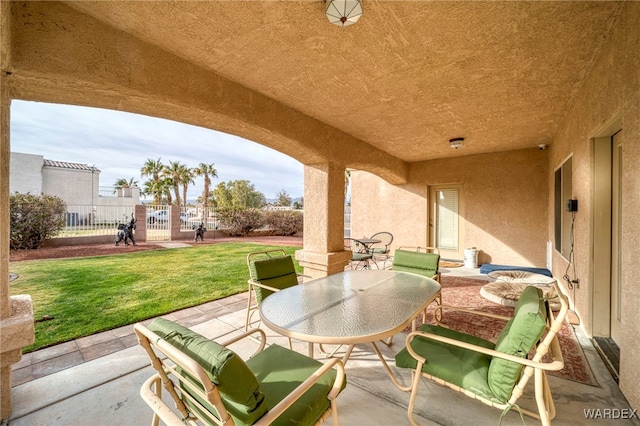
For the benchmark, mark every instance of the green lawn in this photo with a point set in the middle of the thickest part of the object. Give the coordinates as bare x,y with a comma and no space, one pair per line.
88,295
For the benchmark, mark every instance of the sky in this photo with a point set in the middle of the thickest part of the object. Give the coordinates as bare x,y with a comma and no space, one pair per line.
119,143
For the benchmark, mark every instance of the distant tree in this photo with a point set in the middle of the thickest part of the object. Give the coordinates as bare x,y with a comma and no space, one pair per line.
283,199
124,183
186,180
299,205
238,194
222,196
154,187
347,178
34,219
173,171
166,184
208,171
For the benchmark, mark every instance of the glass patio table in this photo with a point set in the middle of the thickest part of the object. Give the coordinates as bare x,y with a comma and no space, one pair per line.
349,308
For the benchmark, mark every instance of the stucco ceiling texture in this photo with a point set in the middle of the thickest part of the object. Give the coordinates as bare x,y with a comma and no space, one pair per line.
407,77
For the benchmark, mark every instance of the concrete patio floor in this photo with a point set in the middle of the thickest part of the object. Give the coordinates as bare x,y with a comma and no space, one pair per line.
96,380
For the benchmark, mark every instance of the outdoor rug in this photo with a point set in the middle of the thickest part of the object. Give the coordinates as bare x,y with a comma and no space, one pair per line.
465,292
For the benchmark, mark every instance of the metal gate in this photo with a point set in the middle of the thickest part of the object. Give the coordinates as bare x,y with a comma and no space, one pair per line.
158,223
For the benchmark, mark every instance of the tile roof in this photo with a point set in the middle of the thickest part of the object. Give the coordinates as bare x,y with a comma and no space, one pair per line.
67,165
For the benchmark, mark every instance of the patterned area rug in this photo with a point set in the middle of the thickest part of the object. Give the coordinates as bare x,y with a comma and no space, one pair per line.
465,292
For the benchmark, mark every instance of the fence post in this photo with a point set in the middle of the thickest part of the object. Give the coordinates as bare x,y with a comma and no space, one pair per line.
141,223
174,223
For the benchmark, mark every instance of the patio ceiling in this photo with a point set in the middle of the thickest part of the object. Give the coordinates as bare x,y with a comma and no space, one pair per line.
407,77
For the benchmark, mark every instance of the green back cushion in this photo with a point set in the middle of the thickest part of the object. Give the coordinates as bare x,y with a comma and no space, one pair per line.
462,367
279,371
419,263
518,337
236,383
277,272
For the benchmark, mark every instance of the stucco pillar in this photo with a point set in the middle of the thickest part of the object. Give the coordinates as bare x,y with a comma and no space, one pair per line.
16,313
140,213
323,253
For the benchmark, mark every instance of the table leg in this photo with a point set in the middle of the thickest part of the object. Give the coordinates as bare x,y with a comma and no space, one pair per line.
347,354
389,372
310,350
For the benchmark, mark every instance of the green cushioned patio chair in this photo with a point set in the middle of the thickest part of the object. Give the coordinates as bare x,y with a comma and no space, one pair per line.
210,384
493,373
416,261
269,271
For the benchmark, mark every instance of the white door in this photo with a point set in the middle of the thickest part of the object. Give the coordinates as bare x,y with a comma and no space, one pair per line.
616,226
446,223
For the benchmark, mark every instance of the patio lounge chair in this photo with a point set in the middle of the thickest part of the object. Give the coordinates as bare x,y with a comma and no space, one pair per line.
269,271
495,374
210,384
415,260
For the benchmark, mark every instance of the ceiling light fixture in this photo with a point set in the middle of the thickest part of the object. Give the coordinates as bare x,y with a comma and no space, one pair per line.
456,143
343,12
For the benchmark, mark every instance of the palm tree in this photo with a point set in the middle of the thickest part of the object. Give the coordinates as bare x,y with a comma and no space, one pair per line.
186,179
208,171
124,183
153,169
173,171
166,184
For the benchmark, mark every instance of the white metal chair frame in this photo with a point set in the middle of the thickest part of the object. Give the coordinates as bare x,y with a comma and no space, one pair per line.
533,367
168,376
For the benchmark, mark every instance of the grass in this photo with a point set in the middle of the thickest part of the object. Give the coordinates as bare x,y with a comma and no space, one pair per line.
93,294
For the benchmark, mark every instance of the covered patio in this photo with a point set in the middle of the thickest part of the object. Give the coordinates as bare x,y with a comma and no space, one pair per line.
105,388
546,96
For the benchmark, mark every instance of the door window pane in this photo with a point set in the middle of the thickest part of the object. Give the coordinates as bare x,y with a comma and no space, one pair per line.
447,219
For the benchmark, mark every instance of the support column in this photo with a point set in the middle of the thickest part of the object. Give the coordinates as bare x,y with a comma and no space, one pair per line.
16,312
323,253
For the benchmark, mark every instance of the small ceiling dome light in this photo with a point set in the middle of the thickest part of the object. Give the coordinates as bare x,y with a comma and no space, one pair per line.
456,143
343,12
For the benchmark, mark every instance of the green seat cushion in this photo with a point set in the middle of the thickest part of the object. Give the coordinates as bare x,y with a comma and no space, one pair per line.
236,383
380,250
419,263
278,272
462,367
280,371
518,337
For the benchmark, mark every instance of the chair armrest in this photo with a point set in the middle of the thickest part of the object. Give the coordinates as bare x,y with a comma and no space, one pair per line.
159,407
235,339
554,365
303,387
473,311
258,284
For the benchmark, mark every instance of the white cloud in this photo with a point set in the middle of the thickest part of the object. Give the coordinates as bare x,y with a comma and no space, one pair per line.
119,143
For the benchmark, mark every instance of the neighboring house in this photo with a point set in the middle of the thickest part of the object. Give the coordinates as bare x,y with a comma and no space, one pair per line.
77,184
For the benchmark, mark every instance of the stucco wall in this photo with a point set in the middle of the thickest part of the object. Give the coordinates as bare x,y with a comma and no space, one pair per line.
76,187
505,196
611,91
25,173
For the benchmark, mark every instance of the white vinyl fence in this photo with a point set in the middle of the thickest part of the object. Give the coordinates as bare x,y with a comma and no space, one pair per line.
94,220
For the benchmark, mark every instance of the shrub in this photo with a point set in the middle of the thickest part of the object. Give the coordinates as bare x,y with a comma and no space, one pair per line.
238,222
34,219
284,222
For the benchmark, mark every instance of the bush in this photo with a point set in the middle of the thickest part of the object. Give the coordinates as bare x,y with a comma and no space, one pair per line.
34,219
239,222
284,222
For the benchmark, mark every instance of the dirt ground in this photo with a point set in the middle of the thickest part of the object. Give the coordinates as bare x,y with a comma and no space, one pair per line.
107,249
